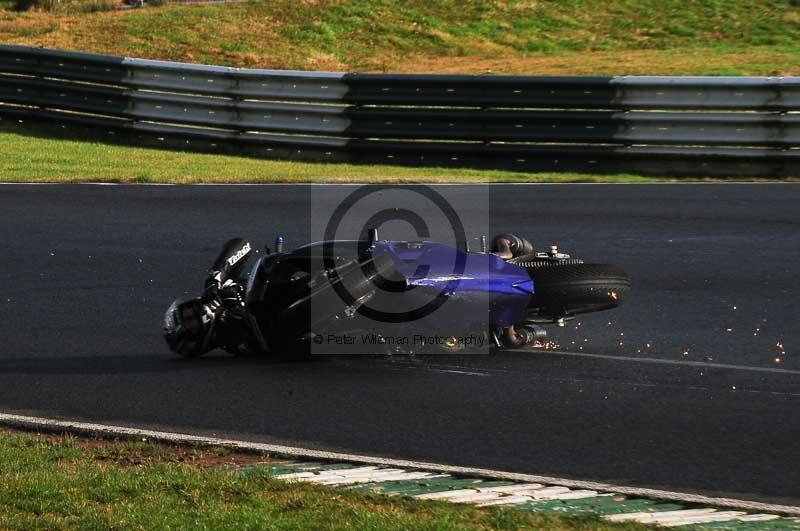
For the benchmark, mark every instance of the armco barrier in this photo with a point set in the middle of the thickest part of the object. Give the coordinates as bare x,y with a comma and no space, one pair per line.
655,125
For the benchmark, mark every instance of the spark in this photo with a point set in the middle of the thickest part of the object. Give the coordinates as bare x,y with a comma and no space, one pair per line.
685,352
613,295
622,333
733,387
620,343
547,345
647,345
779,344
777,360
729,329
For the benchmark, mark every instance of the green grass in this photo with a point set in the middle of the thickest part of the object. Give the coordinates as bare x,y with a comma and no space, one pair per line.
53,482
28,158
513,36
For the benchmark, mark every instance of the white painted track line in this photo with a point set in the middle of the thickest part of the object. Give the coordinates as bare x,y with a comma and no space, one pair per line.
714,517
505,500
687,363
461,496
758,517
96,429
297,476
689,517
352,472
445,494
354,476
660,516
513,489
395,476
477,494
572,495
547,493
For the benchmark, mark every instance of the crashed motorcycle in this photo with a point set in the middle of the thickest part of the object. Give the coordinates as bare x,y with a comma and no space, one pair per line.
388,297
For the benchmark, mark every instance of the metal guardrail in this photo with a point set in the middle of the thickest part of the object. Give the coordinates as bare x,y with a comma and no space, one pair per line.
658,125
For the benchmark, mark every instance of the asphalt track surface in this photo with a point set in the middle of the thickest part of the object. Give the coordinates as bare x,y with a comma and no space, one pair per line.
684,388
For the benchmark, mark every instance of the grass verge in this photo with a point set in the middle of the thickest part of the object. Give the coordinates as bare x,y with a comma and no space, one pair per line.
27,158
569,37
64,482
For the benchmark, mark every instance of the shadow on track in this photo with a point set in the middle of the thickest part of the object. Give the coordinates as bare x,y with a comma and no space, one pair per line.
89,365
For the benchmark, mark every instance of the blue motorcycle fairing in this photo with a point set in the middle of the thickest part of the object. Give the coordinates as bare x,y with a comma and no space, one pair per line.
474,283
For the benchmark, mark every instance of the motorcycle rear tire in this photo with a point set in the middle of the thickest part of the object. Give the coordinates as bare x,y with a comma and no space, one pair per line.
569,289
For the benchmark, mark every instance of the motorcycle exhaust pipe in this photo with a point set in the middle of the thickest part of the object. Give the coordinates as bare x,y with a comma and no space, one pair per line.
522,335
